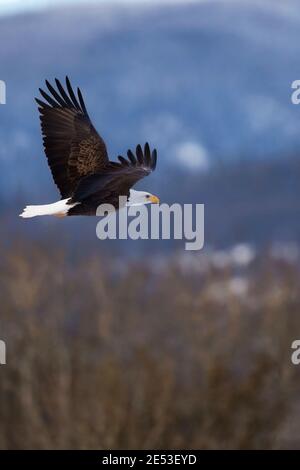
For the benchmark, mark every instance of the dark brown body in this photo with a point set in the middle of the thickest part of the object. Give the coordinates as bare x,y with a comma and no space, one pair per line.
90,205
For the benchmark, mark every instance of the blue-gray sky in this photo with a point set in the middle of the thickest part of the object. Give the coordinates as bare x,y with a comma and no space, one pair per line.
15,6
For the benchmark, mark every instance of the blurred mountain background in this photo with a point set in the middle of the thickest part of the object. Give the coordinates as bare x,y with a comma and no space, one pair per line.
207,83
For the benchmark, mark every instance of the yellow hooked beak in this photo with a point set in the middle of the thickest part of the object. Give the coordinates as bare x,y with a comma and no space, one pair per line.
154,199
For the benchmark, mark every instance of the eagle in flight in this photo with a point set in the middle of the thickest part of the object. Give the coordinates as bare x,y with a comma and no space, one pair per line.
79,163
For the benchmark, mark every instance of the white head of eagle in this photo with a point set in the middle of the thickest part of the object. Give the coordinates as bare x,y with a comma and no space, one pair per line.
78,159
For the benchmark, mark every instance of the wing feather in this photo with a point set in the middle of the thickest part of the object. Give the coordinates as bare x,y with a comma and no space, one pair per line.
73,147
72,95
131,157
117,178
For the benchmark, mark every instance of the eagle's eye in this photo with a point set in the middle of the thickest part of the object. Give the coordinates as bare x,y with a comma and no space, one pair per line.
147,196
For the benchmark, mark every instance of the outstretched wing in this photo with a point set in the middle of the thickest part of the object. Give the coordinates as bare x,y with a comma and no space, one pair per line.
73,147
118,177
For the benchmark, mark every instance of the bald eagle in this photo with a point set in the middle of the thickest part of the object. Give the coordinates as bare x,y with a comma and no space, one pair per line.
79,162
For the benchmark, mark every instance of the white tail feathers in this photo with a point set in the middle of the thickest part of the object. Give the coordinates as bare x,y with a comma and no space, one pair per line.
59,208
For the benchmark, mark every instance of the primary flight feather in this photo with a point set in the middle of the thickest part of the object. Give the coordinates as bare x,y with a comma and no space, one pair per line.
79,162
